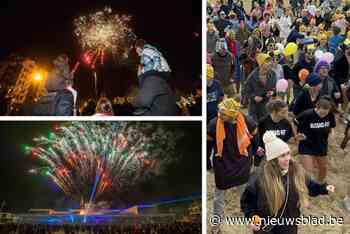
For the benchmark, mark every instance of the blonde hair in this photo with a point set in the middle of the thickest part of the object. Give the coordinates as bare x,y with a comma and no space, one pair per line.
273,186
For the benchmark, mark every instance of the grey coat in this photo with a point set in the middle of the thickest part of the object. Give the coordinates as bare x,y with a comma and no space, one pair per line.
329,87
223,68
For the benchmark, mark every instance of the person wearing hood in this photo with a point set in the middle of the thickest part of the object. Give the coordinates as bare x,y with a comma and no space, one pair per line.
155,97
279,190
235,50
233,135
222,63
335,40
329,86
309,96
59,101
260,87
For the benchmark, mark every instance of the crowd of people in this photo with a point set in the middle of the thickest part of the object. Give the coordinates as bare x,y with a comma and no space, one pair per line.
55,95
175,227
123,106
288,63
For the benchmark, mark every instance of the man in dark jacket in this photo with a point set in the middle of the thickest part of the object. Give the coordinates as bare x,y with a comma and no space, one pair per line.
260,87
59,101
155,96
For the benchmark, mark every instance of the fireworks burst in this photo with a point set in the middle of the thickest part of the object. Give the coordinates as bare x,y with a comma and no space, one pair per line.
85,158
102,31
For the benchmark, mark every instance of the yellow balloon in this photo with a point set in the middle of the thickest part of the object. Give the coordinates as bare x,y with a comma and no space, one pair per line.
290,49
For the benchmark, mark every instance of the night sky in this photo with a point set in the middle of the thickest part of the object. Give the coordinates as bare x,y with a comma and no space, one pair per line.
43,29
23,191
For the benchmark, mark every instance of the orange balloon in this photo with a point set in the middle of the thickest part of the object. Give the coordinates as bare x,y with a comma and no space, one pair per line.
303,73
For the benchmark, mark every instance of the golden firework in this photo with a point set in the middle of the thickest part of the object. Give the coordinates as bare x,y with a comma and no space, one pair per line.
102,31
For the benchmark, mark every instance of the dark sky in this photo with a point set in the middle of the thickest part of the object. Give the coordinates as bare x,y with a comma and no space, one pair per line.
43,29
22,191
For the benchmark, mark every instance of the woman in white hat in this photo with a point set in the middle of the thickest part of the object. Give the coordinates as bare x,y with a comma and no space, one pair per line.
279,190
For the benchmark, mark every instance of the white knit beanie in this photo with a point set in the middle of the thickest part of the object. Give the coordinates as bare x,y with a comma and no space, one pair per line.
274,146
